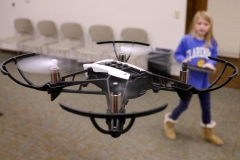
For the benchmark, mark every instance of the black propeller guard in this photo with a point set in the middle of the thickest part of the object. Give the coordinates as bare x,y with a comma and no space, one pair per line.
113,117
143,80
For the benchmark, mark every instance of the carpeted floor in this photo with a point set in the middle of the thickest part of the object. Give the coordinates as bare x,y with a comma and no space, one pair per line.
34,128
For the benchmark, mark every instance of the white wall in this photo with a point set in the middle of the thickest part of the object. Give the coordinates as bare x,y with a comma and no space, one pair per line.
226,18
157,17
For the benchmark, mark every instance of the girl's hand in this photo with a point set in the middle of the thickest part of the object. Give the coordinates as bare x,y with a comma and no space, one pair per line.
186,60
210,66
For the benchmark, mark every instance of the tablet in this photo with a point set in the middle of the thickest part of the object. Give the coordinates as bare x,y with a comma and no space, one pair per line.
207,70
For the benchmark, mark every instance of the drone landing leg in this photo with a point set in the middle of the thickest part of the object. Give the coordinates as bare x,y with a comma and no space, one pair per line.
1,114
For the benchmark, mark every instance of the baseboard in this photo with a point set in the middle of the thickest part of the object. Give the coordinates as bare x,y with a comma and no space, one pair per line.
8,51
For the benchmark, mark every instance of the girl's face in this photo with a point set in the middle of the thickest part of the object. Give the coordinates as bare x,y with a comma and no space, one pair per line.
201,27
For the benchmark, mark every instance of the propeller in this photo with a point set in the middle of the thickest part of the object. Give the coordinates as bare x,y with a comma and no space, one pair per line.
42,64
126,48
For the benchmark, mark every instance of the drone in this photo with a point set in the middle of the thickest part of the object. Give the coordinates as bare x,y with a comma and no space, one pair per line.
119,81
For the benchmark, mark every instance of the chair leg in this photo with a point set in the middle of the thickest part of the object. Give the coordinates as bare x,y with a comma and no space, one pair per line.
19,49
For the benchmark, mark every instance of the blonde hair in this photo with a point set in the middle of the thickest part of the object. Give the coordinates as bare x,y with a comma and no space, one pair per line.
207,17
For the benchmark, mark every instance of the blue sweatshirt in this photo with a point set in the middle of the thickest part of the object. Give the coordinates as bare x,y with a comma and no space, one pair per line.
191,47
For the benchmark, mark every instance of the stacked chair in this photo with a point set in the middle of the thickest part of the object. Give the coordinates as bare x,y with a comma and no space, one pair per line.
70,42
94,52
138,58
47,35
72,37
23,31
139,54
134,34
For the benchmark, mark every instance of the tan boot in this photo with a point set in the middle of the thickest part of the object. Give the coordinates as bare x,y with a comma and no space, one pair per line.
209,135
169,126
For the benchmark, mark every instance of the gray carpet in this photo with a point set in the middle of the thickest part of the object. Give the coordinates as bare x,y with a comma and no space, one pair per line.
34,128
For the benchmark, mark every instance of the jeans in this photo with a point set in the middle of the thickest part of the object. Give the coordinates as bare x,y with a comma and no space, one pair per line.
204,98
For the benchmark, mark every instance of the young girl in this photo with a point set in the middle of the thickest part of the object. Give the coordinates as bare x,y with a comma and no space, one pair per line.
194,49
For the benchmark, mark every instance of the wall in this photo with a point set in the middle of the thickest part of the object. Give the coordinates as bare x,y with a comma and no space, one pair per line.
192,7
156,16
226,18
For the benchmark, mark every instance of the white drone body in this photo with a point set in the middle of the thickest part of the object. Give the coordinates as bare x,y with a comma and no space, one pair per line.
98,67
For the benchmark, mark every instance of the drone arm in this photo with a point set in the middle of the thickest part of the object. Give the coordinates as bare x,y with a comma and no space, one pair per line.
183,90
57,88
162,85
73,75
